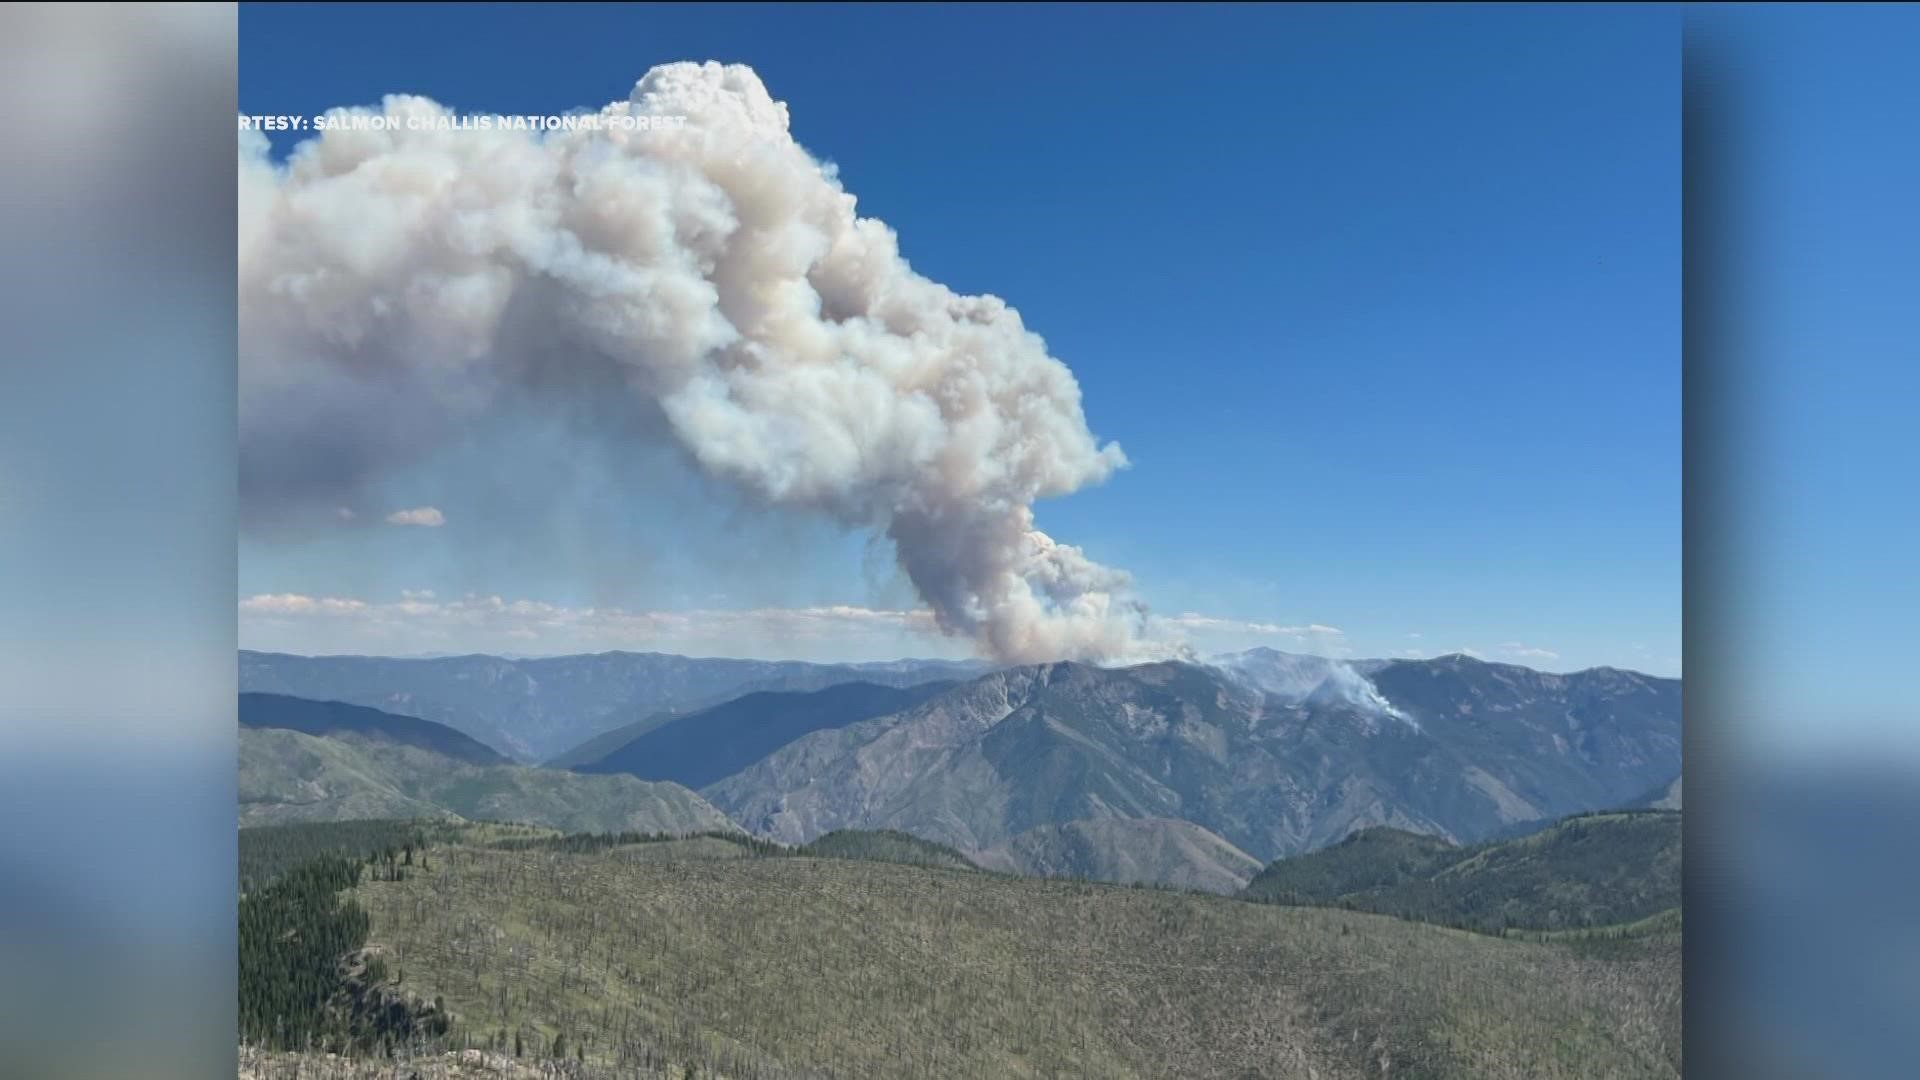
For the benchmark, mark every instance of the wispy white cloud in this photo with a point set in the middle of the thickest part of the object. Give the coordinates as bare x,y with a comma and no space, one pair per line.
425,516
421,620
1213,632
1189,620
421,605
290,605
1194,621
1527,652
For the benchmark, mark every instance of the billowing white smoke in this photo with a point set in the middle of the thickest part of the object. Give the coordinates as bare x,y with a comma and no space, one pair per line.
1345,684
1302,679
396,284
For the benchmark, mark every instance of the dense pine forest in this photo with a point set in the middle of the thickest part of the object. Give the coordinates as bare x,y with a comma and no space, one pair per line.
268,853
294,936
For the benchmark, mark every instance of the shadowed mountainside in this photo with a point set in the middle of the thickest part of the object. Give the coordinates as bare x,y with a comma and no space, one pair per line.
339,718
713,744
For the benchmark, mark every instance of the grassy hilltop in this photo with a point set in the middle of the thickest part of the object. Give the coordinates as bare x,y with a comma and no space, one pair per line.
734,959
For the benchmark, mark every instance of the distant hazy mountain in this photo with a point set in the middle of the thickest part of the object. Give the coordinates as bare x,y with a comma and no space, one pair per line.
1590,870
608,742
533,709
713,744
338,718
1157,851
1455,747
287,775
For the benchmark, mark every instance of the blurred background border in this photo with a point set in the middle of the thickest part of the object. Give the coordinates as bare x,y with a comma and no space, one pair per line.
117,540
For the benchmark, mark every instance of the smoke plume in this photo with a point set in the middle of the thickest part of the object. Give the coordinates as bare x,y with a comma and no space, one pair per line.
1297,679
396,284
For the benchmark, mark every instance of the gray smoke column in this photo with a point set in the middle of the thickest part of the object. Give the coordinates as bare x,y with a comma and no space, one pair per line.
396,284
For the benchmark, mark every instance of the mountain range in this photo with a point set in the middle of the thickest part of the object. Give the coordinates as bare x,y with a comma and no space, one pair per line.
533,709
339,718
1456,748
1189,773
323,761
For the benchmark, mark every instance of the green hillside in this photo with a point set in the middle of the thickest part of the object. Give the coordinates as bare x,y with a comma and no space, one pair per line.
269,851
1126,851
1590,870
685,962
886,845
287,776
1369,859
375,725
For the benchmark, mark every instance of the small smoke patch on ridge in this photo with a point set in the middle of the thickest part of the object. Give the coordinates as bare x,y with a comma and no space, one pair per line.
1299,679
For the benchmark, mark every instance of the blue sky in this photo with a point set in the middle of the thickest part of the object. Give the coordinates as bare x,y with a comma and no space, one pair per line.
1820,265
1382,303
